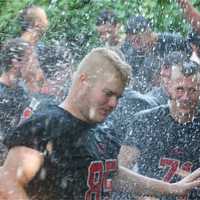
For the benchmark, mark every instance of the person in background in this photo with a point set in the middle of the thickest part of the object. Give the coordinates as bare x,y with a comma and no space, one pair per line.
13,99
107,26
144,49
33,21
191,14
164,141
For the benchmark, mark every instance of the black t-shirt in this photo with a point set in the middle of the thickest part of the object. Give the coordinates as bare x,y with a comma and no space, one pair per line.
131,103
38,101
169,150
168,42
12,103
79,157
144,66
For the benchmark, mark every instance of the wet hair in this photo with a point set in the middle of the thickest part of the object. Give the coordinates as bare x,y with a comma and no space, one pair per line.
190,68
106,16
119,52
27,17
137,24
102,60
173,58
187,66
194,38
12,49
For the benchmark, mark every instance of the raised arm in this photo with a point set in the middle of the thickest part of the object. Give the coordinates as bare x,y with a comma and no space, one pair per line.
192,15
19,168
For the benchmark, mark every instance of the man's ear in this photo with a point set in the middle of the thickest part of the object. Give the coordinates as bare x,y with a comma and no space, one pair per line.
83,78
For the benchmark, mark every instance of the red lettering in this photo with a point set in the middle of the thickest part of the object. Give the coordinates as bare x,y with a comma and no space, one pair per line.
99,180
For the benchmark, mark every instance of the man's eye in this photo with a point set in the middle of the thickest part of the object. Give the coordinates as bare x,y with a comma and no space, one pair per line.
108,94
119,97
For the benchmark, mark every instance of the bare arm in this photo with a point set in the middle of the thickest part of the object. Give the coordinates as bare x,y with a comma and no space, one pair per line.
128,181
131,182
191,14
20,166
128,156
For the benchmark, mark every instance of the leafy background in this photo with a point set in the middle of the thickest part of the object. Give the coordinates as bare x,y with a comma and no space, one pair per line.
73,21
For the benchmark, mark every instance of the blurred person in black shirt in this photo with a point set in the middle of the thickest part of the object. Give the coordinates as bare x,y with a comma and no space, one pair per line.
13,99
107,26
143,50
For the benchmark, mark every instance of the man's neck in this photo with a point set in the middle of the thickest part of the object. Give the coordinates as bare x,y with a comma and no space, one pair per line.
182,117
69,105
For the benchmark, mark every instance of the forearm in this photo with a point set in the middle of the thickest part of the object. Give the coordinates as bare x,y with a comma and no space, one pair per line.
191,14
128,181
10,189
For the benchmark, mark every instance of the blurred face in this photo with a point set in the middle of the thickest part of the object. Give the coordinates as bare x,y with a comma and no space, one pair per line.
100,98
184,94
107,31
31,72
41,20
143,41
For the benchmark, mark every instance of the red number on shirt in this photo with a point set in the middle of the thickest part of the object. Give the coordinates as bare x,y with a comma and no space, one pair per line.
98,179
172,165
94,182
187,168
110,166
175,169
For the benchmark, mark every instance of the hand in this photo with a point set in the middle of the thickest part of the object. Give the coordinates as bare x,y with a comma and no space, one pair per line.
186,184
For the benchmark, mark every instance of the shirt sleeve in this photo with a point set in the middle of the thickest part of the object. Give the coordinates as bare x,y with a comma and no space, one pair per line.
31,133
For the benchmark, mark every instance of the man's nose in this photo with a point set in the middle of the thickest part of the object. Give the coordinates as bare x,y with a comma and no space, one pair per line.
185,96
165,72
113,102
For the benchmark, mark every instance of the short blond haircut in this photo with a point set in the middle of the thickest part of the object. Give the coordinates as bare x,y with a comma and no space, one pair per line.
102,60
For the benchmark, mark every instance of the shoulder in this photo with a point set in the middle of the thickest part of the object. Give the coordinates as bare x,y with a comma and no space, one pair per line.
51,113
132,96
153,114
159,95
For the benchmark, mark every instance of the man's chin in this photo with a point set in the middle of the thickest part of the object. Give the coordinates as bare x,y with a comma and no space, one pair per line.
100,119
185,111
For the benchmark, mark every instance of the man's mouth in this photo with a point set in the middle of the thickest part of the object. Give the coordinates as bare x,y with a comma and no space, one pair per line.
105,112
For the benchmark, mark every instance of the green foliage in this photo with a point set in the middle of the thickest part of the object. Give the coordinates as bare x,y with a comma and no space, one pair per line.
74,20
